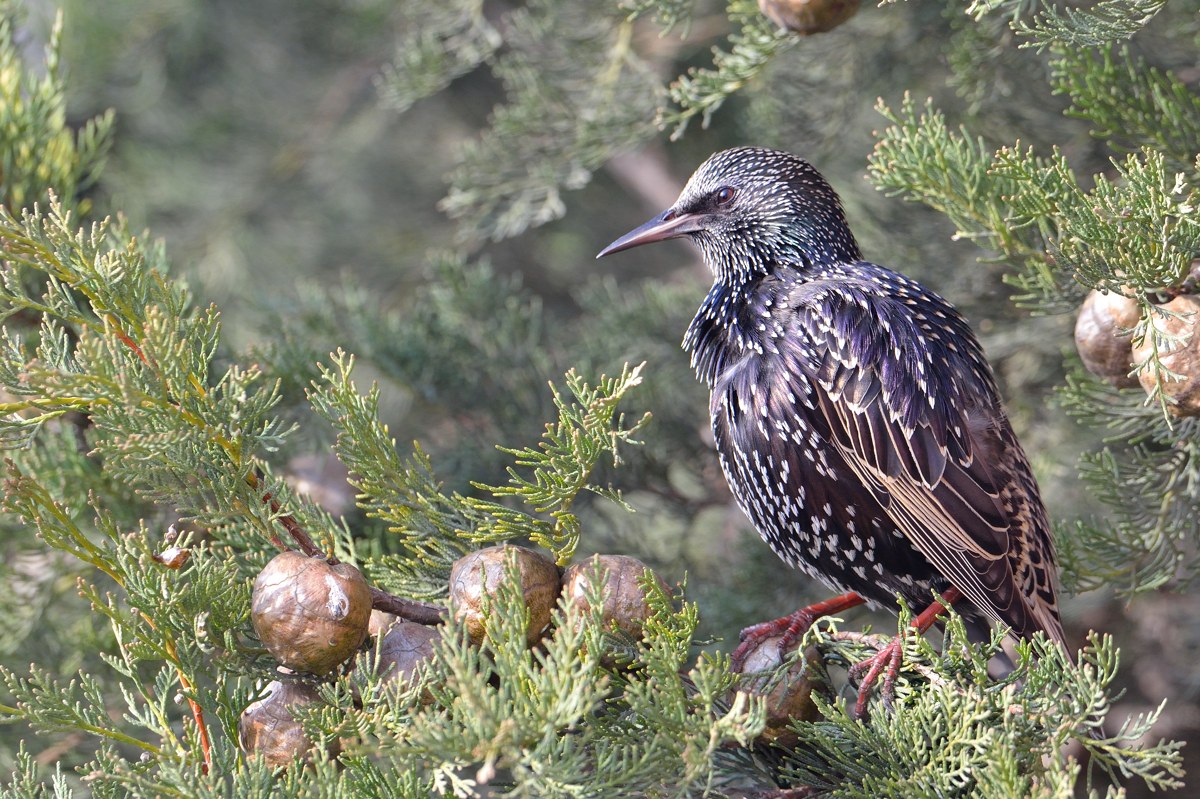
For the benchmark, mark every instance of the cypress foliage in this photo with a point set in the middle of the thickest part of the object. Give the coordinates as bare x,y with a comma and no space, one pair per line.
132,433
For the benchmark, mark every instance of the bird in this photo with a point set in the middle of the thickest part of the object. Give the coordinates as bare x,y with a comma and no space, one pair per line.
856,418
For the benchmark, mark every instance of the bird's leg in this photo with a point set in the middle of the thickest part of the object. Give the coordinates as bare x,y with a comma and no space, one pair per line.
890,656
790,627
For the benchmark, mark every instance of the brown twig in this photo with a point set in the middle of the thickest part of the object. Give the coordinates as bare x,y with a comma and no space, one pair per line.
381,600
127,341
302,539
201,727
186,684
407,609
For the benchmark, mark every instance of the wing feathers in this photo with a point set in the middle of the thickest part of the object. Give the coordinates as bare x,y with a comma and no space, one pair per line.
946,476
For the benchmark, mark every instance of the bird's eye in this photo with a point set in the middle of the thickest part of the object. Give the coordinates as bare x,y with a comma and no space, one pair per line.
724,195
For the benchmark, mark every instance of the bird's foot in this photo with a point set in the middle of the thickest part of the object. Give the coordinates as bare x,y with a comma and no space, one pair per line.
867,672
891,656
790,628
787,629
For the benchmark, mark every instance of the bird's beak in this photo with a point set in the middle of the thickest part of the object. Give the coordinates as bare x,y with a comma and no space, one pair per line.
669,224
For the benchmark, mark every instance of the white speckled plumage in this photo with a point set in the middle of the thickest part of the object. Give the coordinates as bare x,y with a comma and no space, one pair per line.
856,418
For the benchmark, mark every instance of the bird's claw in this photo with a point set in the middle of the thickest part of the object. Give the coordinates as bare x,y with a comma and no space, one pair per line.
788,629
889,658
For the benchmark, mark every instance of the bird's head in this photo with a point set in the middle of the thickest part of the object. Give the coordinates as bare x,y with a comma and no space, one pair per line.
750,209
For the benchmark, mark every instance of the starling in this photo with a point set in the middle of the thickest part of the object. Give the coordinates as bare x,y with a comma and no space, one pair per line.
855,416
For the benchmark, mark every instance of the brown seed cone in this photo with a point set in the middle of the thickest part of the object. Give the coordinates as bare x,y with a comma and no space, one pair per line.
788,695
1181,357
477,575
405,647
380,622
1104,339
310,615
808,16
267,730
624,601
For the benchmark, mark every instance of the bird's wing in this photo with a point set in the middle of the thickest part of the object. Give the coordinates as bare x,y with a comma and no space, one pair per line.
922,427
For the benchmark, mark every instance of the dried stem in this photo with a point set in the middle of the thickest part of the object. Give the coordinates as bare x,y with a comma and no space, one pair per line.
381,600
407,609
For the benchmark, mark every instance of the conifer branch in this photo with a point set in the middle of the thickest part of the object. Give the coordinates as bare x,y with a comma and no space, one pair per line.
970,730
438,528
667,13
561,466
440,41
1129,103
39,152
51,707
1102,23
551,134
702,92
